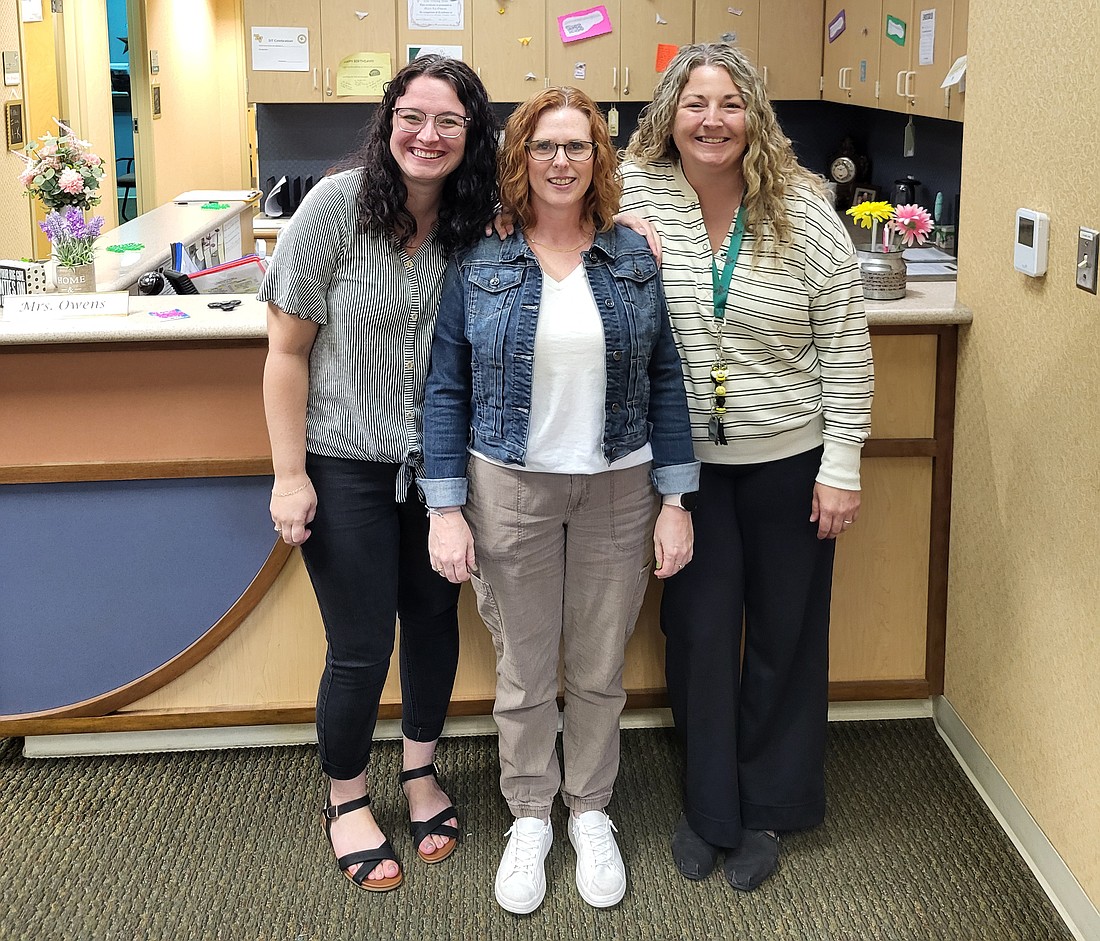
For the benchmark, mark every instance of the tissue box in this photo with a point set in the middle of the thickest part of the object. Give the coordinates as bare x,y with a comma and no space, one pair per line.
22,277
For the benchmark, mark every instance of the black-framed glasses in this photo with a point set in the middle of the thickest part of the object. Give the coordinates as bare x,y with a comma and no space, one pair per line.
578,150
447,124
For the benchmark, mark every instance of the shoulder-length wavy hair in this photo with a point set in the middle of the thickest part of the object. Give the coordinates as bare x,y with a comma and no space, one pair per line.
468,200
601,202
769,165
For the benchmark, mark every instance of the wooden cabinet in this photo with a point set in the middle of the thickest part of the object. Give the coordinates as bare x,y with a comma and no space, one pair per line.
851,52
410,34
907,85
332,29
643,25
511,69
865,64
783,38
620,65
956,100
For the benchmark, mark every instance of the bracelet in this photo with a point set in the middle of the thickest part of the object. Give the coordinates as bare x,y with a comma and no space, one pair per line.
290,493
442,511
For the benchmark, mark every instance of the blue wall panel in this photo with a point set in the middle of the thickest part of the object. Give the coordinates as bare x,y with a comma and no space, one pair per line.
102,582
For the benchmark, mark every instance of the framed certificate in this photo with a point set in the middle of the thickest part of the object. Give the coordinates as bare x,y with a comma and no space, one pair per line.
13,124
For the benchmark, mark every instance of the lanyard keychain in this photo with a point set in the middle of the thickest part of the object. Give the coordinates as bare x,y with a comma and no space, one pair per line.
719,372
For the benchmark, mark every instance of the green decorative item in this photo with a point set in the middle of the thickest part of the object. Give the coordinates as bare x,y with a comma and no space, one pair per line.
895,29
214,206
126,247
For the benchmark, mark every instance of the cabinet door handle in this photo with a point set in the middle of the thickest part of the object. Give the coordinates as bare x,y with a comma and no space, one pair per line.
615,77
899,83
315,79
910,81
840,79
764,69
626,80
328,82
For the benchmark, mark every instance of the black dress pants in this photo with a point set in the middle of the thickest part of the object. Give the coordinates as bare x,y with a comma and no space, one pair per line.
367,557
753,729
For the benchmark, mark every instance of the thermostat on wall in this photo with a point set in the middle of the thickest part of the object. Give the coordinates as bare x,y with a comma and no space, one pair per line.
1029,253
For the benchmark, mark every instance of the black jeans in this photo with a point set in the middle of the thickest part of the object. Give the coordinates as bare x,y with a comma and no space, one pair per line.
753,729
367,557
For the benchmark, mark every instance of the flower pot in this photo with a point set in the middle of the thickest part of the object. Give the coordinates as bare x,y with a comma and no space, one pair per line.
883,274
77,280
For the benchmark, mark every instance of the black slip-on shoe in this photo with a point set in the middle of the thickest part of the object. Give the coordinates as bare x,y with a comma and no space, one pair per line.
753,861
695,858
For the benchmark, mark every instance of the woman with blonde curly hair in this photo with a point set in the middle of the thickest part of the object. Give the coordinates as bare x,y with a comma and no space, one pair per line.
766,306
554,417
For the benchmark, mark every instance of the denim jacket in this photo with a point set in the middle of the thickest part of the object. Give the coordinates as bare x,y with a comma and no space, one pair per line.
479,385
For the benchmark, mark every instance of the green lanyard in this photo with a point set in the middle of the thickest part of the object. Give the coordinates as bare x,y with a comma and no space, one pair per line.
721,282
719,374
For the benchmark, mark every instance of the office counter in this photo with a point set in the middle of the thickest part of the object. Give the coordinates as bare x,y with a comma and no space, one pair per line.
144,587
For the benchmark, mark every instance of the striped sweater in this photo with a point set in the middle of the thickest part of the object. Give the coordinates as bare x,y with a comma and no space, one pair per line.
795,342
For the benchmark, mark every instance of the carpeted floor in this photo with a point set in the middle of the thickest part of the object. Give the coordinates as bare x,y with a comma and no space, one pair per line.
228,845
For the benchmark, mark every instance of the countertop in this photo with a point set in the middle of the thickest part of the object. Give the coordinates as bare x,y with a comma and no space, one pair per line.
925,302
202,323
156,230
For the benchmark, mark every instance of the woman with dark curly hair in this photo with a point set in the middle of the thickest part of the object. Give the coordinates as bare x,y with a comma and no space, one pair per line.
554,419
352,294
766,306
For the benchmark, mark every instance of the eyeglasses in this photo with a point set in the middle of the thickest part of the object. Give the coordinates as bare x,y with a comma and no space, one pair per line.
577,150
447,124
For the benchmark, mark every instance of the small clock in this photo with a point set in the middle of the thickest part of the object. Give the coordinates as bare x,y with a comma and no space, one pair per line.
842,170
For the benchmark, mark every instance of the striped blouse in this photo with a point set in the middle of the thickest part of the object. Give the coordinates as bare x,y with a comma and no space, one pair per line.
796,339
376,307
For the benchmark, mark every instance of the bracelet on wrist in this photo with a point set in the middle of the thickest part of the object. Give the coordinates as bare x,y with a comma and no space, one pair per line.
442,510
290,493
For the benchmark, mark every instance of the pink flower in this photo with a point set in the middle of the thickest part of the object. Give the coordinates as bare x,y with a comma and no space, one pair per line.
71,181
93,160
28,175
913,224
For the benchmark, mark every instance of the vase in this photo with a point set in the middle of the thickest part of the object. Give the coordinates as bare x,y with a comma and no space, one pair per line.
79,279
883,274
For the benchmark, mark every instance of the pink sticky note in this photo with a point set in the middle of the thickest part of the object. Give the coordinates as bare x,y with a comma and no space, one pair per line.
666,52
584,24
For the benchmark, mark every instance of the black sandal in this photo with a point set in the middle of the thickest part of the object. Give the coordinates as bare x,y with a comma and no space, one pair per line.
365,859
420,829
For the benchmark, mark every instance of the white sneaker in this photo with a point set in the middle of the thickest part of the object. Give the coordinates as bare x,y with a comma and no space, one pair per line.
601,873
521,876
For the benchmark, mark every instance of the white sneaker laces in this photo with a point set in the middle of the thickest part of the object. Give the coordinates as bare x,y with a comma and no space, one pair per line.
600,839
527,846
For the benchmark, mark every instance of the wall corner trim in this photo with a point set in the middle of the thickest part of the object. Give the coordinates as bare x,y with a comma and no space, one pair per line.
1055,877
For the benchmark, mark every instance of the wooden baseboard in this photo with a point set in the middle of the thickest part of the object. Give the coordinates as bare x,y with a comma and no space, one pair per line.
852,691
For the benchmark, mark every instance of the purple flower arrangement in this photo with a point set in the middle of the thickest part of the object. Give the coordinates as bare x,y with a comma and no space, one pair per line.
72,237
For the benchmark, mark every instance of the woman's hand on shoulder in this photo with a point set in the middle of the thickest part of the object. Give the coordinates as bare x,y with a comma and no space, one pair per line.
502,224
293,506
644,228
834,510
673,540
451,546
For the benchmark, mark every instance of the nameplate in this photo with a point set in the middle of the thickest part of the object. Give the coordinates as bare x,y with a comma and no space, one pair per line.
27,308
